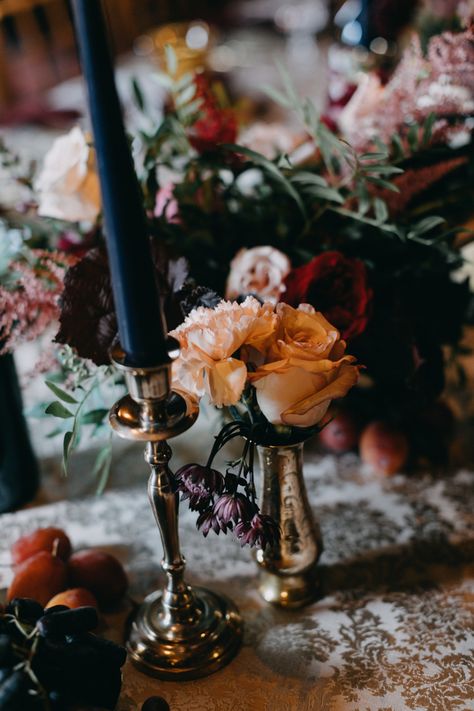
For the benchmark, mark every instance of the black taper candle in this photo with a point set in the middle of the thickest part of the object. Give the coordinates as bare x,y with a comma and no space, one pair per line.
134,282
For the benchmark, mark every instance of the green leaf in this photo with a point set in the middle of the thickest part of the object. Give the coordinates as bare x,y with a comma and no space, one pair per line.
163,80
309,179
380,208
412,136
427,224
382,169
67,444
185,96
385,226
363,202
397,144
55,433
61,394
428,129
191,109
184,81
310,114
94,417
277,96
271,168
380,183
102,466
171,60
287,83
374,156
326,193
384,150
138,94
58,410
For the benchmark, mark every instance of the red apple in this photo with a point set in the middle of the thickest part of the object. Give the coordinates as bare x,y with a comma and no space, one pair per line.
384,447
341,434
50,539
72,598
100,573
40,578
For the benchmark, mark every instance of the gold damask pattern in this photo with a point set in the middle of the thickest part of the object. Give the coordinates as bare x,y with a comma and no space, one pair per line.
394,630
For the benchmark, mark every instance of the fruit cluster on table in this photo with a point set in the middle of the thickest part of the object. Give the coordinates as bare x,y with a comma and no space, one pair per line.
387,445
46,570
50,658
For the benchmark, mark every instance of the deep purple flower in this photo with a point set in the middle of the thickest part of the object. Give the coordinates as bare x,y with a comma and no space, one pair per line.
260,531
208,521
198,484
232,507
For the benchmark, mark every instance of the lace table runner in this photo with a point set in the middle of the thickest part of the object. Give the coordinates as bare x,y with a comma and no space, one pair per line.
394,629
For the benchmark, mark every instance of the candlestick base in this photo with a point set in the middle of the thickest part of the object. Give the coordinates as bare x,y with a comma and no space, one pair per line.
192,649
178,632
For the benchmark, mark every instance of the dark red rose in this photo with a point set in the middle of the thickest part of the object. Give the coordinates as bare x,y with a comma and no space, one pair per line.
335,285
215,125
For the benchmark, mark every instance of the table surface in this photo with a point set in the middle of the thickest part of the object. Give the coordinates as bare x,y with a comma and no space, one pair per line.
394,628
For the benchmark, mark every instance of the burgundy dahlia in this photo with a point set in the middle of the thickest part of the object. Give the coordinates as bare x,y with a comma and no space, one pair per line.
198,484
260,531
337,286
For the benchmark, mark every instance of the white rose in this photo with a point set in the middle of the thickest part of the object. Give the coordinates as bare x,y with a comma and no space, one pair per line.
260,271
68,185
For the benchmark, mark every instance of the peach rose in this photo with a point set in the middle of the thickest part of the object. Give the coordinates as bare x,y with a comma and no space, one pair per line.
68,184
304,369
210,340
261,271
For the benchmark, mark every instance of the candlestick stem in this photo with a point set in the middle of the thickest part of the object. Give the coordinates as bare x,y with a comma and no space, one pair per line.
179,631
178,600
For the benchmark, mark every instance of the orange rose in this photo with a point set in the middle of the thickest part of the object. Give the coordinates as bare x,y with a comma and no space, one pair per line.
304,369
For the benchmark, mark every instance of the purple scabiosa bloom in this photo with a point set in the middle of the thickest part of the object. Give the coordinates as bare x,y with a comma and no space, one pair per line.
232,507
260,531
198,484
208,521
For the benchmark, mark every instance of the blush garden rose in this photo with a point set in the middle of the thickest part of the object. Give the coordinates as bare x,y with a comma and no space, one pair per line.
260,271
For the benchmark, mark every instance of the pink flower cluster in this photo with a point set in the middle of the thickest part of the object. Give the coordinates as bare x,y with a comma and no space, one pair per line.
32,304
441,83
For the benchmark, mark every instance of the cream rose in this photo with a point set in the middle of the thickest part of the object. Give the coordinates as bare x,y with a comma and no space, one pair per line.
260,271
68,184
305,368
210,340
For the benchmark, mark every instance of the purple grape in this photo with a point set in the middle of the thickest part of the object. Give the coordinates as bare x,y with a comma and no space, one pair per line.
66,622
25,609
156,703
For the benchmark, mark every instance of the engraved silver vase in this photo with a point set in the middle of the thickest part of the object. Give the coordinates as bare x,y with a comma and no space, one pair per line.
287,575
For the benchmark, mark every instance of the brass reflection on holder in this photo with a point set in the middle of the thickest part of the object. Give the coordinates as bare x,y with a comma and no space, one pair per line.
179,632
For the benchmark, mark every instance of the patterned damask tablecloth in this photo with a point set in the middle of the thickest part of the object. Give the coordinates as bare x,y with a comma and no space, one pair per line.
394,630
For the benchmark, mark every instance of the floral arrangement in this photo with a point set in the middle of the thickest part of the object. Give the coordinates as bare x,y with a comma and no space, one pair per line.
276,369
359,214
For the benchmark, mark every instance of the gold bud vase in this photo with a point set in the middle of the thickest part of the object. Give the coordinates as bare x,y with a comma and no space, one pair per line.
287,569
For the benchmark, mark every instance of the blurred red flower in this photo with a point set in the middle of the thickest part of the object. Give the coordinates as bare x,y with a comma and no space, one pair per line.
335,285
215,124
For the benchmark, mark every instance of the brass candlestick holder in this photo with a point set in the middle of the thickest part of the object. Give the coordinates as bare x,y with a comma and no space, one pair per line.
179,632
